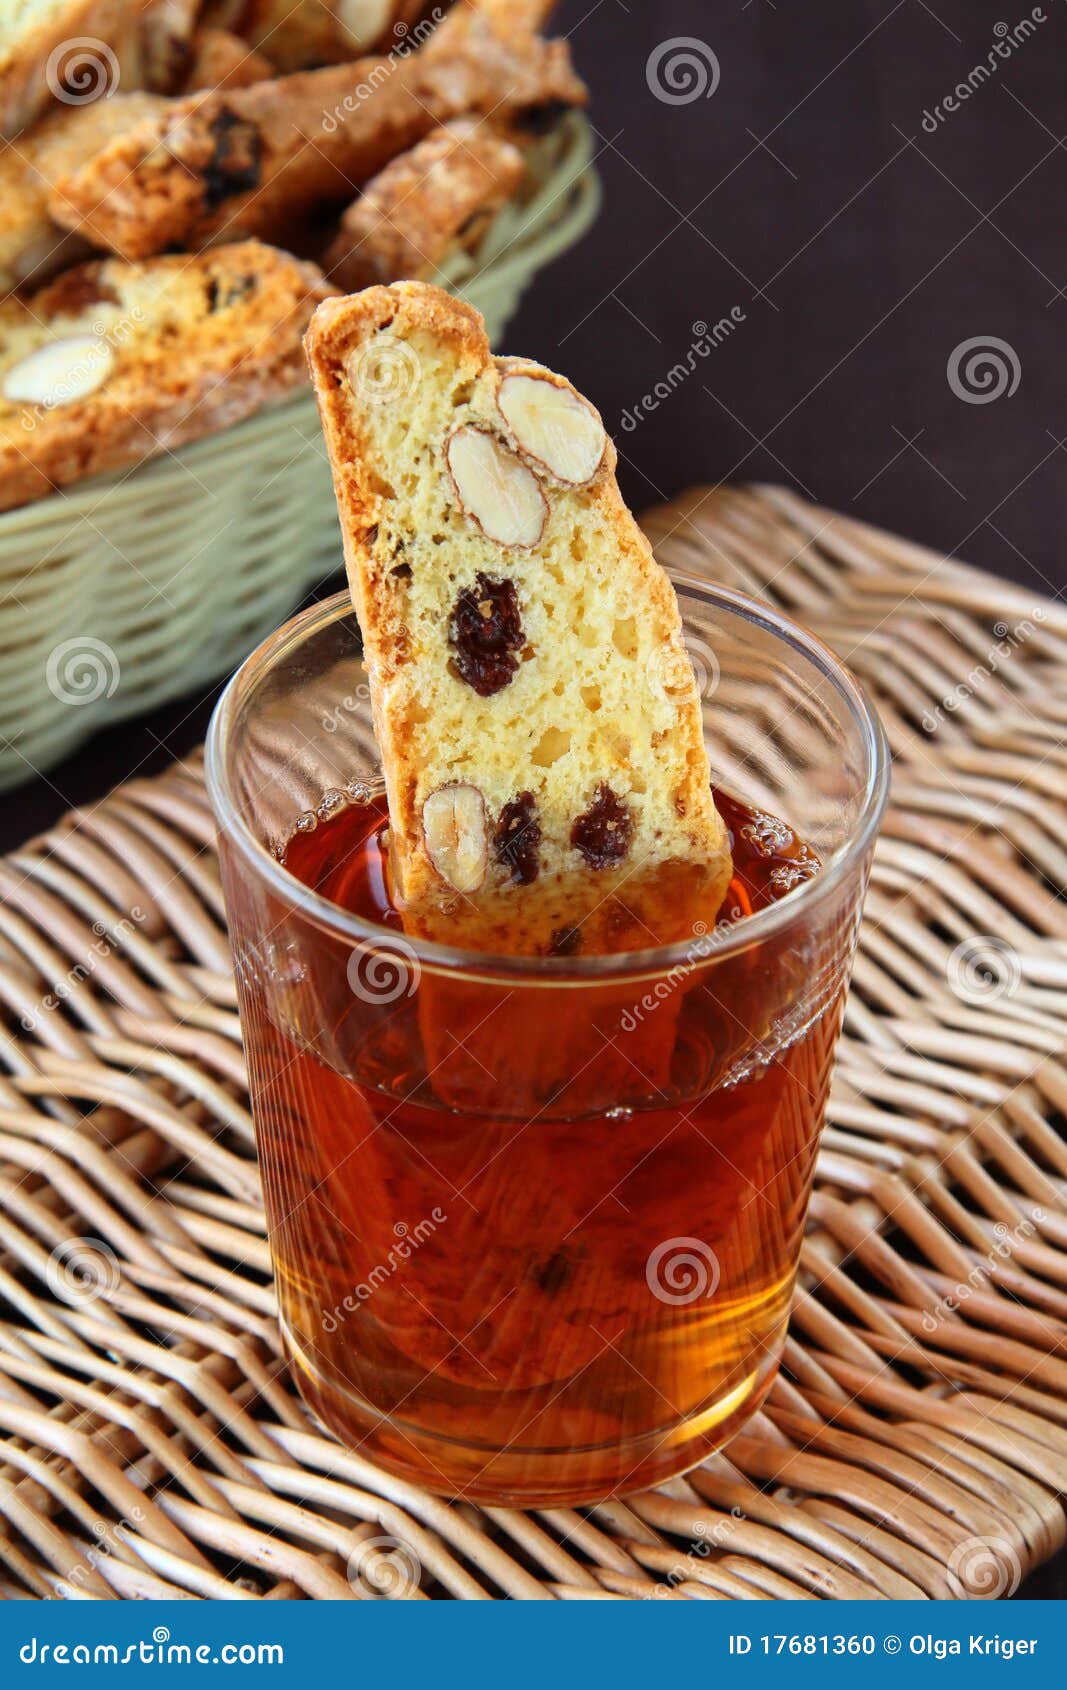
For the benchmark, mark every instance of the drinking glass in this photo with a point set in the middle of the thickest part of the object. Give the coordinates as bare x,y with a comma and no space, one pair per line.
535,1221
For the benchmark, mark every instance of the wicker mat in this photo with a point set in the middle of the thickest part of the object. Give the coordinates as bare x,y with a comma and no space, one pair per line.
915,1442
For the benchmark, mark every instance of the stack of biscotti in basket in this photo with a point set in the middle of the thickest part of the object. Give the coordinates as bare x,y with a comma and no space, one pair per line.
182,181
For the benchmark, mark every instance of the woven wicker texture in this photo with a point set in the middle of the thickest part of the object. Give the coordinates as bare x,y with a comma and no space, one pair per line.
915,1442
129,590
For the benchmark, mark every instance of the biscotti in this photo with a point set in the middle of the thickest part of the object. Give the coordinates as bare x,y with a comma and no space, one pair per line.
520,14
49,43
300,34
537,714
166,36
32,246
181,55
415,211
217,59
250,160
113,362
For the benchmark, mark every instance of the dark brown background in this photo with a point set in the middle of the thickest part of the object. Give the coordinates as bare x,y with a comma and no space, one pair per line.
861,249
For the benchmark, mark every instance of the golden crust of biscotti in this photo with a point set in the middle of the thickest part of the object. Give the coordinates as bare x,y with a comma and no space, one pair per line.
32,246
496,45
219,59
413,213
221,164
246,161
299,34
525,14
154,355
578,768
38,28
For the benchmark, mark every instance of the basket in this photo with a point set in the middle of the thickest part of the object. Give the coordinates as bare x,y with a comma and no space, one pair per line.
134,589
152,1444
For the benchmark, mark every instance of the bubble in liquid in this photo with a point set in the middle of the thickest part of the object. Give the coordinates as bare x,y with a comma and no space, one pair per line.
330,803
769,835
788,875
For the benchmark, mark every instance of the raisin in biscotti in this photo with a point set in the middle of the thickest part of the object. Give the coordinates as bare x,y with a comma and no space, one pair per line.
113,362
250,160
538,718
415,211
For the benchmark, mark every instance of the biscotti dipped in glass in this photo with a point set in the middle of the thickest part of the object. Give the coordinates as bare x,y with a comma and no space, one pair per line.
536,710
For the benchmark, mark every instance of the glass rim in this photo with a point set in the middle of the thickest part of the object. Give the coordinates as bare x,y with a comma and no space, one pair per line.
651,961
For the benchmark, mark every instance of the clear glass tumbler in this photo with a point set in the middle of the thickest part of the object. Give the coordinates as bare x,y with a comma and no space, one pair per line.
535,1222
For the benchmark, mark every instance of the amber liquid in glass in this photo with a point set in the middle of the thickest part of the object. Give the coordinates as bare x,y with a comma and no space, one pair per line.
538,1245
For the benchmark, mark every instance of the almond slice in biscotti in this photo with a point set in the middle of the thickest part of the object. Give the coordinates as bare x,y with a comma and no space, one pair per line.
538,718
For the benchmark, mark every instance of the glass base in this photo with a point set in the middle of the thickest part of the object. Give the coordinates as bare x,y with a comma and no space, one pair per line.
527,1477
